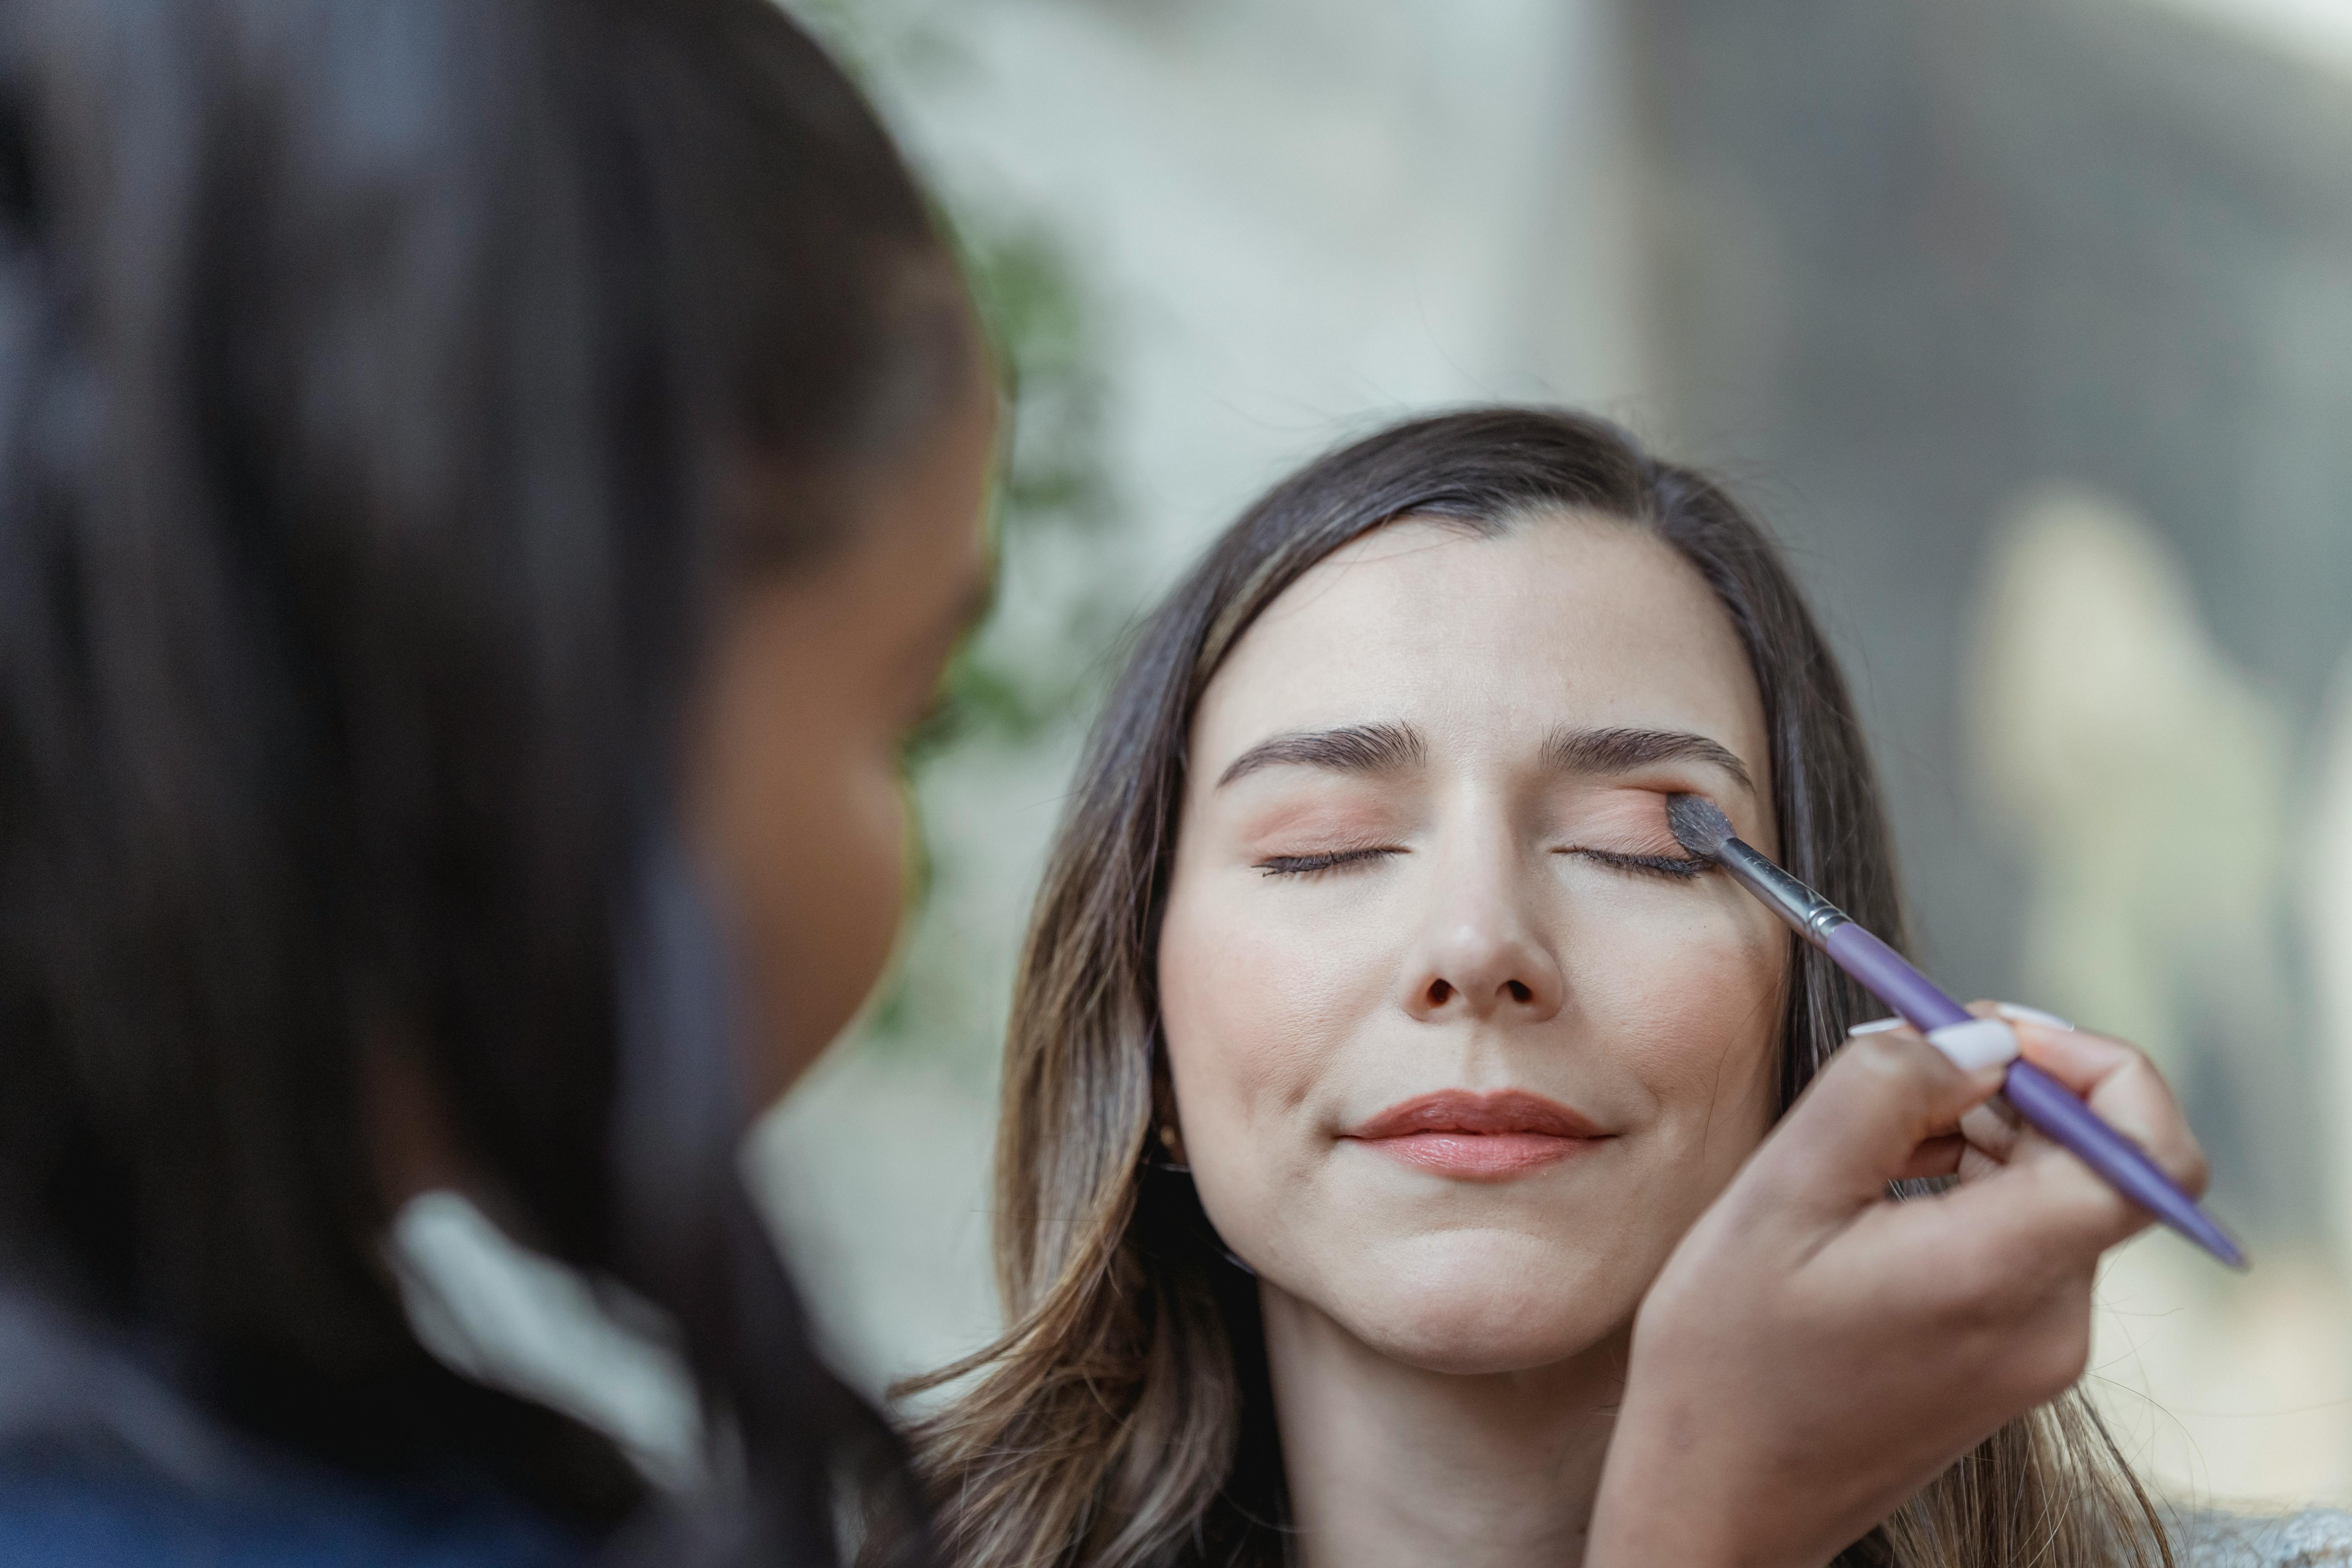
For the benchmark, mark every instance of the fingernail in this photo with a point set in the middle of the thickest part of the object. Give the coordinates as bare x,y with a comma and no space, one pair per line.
2017,1014
1877,1026
1979,1043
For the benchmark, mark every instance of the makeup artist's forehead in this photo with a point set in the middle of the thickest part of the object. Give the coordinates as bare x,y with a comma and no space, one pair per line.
1480,643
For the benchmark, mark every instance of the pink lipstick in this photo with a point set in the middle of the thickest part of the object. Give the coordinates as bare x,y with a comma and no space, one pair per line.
1479,1137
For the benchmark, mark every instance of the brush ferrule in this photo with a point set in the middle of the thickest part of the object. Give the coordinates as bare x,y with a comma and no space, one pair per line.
1814,916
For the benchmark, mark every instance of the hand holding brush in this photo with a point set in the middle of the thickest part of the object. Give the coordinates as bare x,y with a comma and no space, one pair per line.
1873,1342
1700,827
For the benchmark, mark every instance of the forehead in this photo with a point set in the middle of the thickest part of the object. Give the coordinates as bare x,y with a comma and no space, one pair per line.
1565,618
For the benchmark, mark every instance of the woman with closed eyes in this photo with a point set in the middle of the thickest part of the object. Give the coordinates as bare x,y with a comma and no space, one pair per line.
1409,1155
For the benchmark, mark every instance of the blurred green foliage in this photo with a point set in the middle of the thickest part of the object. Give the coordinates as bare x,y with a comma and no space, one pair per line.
1016,694
1018,677
1028,668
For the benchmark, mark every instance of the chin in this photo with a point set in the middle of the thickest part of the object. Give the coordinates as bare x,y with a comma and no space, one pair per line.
1469,1303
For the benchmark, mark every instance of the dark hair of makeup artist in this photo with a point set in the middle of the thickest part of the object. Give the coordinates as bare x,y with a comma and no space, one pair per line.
380,383
1124,1419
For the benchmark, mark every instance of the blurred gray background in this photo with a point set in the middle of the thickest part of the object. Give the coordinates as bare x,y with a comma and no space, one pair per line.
2027,323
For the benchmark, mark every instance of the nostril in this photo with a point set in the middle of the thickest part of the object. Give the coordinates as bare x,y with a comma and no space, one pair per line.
1520,992
1440,992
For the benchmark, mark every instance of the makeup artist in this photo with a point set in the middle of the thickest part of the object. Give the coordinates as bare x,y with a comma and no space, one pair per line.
484,487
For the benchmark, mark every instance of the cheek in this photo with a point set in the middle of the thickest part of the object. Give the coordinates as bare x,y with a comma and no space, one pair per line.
818,870
793,802
1255,1012
1693,998
846,908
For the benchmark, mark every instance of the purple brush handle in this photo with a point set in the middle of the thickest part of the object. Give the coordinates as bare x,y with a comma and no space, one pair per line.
1891,978
2041,1099
2065,1121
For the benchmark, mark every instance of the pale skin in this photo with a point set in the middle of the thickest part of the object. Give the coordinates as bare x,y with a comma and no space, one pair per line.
1683,1340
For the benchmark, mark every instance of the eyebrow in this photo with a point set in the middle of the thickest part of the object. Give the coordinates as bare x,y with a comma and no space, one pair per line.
1353,748
1622,751
1379,748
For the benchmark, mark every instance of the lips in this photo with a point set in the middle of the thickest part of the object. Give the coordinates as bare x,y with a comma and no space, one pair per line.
1479,1137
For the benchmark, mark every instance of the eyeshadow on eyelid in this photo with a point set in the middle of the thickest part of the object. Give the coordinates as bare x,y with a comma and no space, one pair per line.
1618,818
1310,841
1317,814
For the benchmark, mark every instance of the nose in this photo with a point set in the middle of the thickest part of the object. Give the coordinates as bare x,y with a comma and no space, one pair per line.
1480,957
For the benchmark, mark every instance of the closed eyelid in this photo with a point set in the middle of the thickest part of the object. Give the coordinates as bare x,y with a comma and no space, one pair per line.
1316,822
1671,865
1326,860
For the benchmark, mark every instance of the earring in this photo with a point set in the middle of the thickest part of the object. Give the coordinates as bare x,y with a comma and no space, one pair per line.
1172,1152
1172,1146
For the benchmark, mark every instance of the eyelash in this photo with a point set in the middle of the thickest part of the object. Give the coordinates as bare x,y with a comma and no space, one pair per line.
1680,868
1314,865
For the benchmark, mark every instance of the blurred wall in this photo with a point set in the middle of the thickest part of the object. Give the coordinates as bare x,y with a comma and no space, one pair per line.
2032,319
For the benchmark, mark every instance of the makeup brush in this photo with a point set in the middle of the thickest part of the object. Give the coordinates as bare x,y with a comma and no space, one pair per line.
1969,1041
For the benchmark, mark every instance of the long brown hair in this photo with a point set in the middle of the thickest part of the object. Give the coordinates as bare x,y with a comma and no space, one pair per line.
1125,1419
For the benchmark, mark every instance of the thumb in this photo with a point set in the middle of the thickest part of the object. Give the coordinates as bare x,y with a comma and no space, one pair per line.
1858,1125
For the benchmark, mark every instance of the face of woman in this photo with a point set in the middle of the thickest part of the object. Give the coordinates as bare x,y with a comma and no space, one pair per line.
797,800
1458,1051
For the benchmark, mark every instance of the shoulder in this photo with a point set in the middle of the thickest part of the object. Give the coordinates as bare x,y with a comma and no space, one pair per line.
103,1462
50,1514
2316,1538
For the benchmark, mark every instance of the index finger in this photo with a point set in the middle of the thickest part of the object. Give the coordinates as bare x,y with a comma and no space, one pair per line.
2120,1084
2051,1202
1860,1124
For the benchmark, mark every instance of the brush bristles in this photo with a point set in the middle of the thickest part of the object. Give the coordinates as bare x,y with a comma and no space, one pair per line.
1699,825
